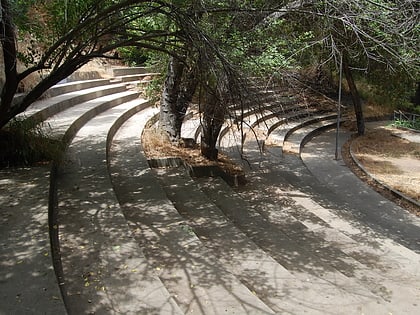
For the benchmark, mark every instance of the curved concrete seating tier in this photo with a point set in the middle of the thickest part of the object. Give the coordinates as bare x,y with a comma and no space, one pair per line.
44,109
128,239
128,74
297,136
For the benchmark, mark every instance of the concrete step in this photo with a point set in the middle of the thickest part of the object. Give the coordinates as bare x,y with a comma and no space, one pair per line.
289,113
141,78
104,269
190,126
308,256
260,272
296,137
258,127
189,271
126,71
357,198
43,109
388,271
65,124
68,87
28,284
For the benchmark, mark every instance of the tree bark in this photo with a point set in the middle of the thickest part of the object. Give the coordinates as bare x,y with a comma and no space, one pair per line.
212,122
357,102
168,113
178,91
8,42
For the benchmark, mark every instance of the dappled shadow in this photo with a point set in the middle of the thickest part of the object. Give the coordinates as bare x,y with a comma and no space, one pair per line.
304,262
27,280
192,273
145,254
272,264
348,245
104,270
337,185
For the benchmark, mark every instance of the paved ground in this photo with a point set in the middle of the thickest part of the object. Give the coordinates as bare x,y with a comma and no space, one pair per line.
27,280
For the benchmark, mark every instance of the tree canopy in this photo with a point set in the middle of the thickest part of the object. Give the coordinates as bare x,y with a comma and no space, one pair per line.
211,46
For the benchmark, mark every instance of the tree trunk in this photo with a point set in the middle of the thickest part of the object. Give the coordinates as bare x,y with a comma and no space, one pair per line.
210,133
8,42
357,103
168,115
178,91
8,110
213,118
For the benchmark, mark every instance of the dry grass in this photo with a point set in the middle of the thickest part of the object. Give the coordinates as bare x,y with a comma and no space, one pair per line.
382,142
156,146
376,165
390,159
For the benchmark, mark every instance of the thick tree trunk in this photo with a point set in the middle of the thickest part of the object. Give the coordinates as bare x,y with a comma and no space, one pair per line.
357,103
168,114
178,91
210,133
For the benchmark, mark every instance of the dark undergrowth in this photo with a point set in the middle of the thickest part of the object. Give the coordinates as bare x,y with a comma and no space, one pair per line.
24,143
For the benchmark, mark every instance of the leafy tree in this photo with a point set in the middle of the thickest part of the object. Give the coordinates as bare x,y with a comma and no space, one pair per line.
71,35
74,32
206,41
200,63
379,38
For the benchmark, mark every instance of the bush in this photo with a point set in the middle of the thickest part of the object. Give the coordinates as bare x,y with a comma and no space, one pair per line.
411,124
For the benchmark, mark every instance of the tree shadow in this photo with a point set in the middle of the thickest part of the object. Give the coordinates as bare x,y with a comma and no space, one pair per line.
191,272
103,269
27,279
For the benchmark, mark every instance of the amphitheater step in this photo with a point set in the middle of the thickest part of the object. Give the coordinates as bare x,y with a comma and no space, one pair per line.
310,256
141,78
359,199
66,123
290,190
63,88
190,272
104,269
297,136
43,109
125,71
388,271
275,285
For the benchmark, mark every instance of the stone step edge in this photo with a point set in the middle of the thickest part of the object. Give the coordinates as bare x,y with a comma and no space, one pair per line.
198,171
328,123
54,108
53,224
156,225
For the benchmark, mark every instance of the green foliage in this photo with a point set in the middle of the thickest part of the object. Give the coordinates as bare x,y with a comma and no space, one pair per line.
390,89
154,88
133,56
411,124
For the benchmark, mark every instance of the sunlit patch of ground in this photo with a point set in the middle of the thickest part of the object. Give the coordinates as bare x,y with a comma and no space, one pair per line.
388,156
